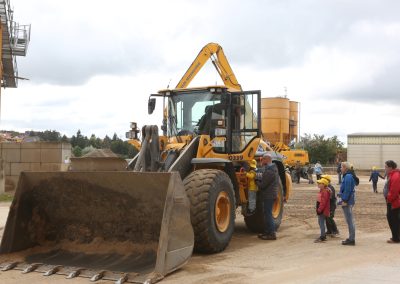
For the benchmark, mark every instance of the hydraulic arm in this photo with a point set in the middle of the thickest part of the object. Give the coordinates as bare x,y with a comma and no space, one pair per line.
214,52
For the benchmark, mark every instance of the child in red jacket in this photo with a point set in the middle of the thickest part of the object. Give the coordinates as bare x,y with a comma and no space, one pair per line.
323,206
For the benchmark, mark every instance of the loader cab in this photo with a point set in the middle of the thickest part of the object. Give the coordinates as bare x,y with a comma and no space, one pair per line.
231,119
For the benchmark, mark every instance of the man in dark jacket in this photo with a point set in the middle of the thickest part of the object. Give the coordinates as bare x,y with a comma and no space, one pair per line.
339,172
268,183
298,169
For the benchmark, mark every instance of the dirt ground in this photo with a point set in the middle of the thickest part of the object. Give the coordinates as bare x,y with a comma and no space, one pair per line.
294,257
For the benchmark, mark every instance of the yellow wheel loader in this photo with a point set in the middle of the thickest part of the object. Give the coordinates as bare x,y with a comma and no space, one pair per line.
179,193
209,136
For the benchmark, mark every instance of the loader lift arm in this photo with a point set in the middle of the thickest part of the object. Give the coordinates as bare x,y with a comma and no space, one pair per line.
214,52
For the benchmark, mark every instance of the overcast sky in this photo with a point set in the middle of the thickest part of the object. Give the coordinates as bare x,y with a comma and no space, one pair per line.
92,64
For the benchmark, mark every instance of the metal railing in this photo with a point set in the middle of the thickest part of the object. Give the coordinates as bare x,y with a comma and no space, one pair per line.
19,38
16,39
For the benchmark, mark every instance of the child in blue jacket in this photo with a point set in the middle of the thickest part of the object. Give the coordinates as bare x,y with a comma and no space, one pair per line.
375,175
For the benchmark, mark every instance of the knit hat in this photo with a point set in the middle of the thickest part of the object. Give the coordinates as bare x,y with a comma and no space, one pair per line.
324,181
328,177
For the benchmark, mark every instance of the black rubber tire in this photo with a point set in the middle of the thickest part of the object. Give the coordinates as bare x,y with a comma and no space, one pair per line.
255,222
202,188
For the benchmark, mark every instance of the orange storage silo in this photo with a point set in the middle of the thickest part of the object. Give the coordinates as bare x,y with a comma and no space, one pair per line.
275,113
294,120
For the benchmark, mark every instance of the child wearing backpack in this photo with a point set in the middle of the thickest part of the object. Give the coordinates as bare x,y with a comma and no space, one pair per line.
322,207
331,228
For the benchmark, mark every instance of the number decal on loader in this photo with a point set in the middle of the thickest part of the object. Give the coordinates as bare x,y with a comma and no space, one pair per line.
235,157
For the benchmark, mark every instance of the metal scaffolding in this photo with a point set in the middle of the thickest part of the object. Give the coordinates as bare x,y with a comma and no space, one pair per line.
15,41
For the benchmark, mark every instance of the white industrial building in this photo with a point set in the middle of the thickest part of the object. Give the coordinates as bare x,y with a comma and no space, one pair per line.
365,150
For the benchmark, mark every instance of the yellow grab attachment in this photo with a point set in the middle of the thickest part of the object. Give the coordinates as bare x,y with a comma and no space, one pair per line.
95,224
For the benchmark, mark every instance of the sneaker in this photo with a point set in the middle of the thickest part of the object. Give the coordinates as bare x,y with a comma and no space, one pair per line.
320,240
267,237
348,242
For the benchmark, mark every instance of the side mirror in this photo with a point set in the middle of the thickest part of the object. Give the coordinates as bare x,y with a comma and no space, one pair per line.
151,105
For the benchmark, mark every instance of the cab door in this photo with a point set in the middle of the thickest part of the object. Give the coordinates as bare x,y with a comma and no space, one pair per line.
244,119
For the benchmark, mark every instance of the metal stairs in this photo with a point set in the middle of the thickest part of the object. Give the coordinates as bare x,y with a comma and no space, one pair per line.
15,40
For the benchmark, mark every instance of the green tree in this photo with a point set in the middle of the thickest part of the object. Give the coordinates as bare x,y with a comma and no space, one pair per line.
99,142
106,143
115,137
77,151
123,148
79,140
320,148
50,135
65,139
47,135
117,146
95,142
87,150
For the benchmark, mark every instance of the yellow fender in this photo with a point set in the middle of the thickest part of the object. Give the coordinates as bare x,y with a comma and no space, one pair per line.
289,186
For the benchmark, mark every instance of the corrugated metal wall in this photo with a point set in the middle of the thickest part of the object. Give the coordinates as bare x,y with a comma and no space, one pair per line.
365,152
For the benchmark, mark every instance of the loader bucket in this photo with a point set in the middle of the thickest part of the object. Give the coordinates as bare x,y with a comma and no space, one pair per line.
123,226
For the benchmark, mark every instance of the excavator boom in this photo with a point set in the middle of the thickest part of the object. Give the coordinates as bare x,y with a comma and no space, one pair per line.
214,52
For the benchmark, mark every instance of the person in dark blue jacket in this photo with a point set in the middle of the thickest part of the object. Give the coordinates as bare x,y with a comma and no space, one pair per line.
268,184
347,195
375,175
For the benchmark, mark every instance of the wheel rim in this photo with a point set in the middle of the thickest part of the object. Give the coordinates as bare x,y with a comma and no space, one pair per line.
222,211
277,206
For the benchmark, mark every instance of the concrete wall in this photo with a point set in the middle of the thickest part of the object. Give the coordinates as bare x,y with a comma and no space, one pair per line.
2,177
36,156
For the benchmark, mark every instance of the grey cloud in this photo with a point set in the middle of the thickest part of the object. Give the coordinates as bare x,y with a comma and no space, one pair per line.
279,34
74,61
261,34
382,89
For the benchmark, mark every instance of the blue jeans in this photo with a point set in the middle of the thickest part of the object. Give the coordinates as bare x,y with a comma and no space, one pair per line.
252,194
321,223
348,215
269,224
